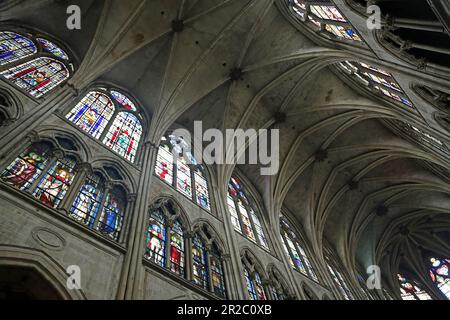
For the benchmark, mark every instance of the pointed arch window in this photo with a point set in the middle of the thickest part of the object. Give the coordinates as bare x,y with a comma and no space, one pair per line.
111,218
60,181
157,238
278,293
100,206
56,182
376,80
324,17
439,273
254,286
207,263
39,76
421,137
177,249
217,272
243,216
200,264
337,276
124,135
88,201
165,239
277,287
38,73
295,251
52,48
93,113
111,117
14,47
180,170
43,172
410,290
340,282
28,166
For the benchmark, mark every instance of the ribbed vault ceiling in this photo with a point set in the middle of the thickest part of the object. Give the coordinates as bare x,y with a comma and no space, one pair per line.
357,193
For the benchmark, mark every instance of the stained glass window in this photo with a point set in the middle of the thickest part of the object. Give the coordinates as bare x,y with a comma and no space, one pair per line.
14,47
52,48
124,135
111,219
233,212
93,113
201,190
246,223
177,249
409,290
56,182
324,17
156,238
124,101
258,229
88,201
377,80
37,77
439,273
243,216
277,287
294,250
180,170
200,264
217,273
250,286
254,286
165,241
295,256
338,278
164,164
278,293
184,179
24,170
421,136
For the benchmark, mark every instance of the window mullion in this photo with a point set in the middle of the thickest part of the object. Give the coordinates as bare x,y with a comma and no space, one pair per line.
175,171
250,213
193,184
107,190
82,171
110,123
208,268
56,155
283,236
302,259
168,245
241,222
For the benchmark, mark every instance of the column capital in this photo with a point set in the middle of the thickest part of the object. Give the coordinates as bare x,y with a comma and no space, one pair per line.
188,234
75,92
226,257
151,145
132,197
33,136
109,185
83,167
58,153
